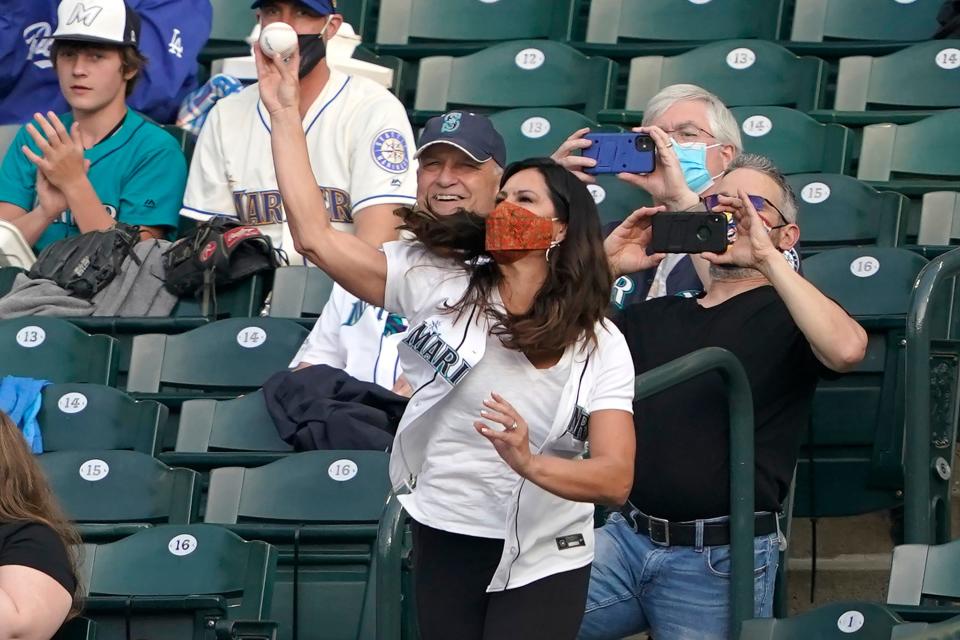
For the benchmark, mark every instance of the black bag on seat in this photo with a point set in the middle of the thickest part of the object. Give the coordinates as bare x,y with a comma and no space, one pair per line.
85,264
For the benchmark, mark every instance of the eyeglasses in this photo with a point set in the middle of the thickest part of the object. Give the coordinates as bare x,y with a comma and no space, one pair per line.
688,132
759,203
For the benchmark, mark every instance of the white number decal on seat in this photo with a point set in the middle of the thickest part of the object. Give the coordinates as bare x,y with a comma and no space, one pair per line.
182,545
530,59
815,193
850,622
251,337
865,267
535,127
342,470
741,58
31,336
73,402
93,470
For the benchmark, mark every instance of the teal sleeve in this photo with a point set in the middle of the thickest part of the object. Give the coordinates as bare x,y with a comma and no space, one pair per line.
153,192
18,176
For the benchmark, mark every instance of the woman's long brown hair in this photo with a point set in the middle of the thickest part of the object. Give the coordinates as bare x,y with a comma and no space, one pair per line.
25,496
576,293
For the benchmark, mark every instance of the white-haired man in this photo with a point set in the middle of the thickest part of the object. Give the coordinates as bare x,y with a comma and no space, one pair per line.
704,139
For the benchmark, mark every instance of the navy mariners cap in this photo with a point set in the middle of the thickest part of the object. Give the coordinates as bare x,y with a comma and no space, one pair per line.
471,133
100,21
323,7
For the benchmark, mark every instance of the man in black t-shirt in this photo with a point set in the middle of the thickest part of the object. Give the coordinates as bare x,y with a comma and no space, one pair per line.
662,563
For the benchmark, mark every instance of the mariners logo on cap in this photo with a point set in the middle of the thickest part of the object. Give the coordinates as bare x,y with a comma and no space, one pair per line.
451,122
390,151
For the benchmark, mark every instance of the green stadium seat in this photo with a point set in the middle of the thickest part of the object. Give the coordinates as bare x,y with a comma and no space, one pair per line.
111,494
837,210
794,141
851,461
232,23
323,510
613,21
537,132
178,582
55,350
226,433
90,416
940,218
77,629
7,276
820,20
925,575
299,292
923,76
913,158
401,22
227,356
185,139
522,73
835,621
617,199
946,630
740,72
360,15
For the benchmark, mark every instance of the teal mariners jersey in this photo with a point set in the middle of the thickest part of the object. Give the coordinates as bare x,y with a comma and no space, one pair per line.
139,174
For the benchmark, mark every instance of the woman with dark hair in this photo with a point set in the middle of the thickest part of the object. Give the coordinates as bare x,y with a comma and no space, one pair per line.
38,577
507,347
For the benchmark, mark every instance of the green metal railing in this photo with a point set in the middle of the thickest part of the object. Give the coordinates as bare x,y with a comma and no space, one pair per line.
646,385
741,460
919,521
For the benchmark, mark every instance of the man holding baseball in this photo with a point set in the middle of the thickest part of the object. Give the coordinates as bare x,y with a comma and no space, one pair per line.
358,135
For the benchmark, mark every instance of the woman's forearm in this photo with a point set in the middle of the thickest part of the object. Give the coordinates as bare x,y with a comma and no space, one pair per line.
303,203
599,480
355,265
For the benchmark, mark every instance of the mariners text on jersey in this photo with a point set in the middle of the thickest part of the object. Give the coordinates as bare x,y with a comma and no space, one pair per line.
359,142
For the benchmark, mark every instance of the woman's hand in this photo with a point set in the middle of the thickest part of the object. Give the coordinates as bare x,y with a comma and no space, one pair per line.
626,246
572,162
278,81
513,443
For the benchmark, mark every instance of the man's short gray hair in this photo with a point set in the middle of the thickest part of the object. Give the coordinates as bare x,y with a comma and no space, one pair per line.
723,125
763,164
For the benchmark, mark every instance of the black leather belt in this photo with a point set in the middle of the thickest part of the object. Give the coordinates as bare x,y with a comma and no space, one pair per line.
684,534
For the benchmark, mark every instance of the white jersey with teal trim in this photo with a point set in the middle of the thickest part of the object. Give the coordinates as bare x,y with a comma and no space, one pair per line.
361,151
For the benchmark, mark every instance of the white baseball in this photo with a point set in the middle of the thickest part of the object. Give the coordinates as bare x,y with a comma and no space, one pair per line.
278,37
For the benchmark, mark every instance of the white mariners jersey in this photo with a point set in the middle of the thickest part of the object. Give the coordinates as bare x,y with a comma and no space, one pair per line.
360,145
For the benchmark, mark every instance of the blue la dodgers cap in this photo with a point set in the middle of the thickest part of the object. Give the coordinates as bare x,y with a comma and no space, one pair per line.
472,133
323,7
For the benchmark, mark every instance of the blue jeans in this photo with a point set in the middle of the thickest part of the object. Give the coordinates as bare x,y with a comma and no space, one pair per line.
677,593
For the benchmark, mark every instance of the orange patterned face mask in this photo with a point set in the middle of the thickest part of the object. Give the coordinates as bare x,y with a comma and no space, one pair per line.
511,228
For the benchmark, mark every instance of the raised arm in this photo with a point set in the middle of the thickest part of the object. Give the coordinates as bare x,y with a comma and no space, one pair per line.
838,341
354,264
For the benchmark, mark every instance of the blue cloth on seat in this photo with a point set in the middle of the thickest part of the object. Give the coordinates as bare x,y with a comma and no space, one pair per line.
20,399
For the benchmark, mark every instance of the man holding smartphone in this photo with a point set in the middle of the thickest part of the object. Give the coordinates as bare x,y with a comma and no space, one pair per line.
663,561
697,139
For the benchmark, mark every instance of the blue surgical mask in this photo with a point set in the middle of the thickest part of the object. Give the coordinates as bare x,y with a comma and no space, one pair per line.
693,163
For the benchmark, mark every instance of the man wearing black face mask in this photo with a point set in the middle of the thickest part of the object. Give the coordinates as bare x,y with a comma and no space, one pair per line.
358,136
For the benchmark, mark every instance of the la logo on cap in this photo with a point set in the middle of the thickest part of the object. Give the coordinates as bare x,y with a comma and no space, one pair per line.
84,15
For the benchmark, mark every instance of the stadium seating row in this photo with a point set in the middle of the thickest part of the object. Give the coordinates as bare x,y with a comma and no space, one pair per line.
825,22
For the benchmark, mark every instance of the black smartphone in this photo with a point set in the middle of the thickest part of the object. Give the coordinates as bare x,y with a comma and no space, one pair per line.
621,152
689,233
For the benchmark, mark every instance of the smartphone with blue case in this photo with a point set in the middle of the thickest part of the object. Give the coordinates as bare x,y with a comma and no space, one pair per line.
621,152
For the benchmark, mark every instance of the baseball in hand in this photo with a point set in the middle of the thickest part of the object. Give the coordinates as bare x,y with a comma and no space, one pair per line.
278,37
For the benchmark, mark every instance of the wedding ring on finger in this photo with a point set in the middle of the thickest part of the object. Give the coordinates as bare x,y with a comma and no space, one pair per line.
513,427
